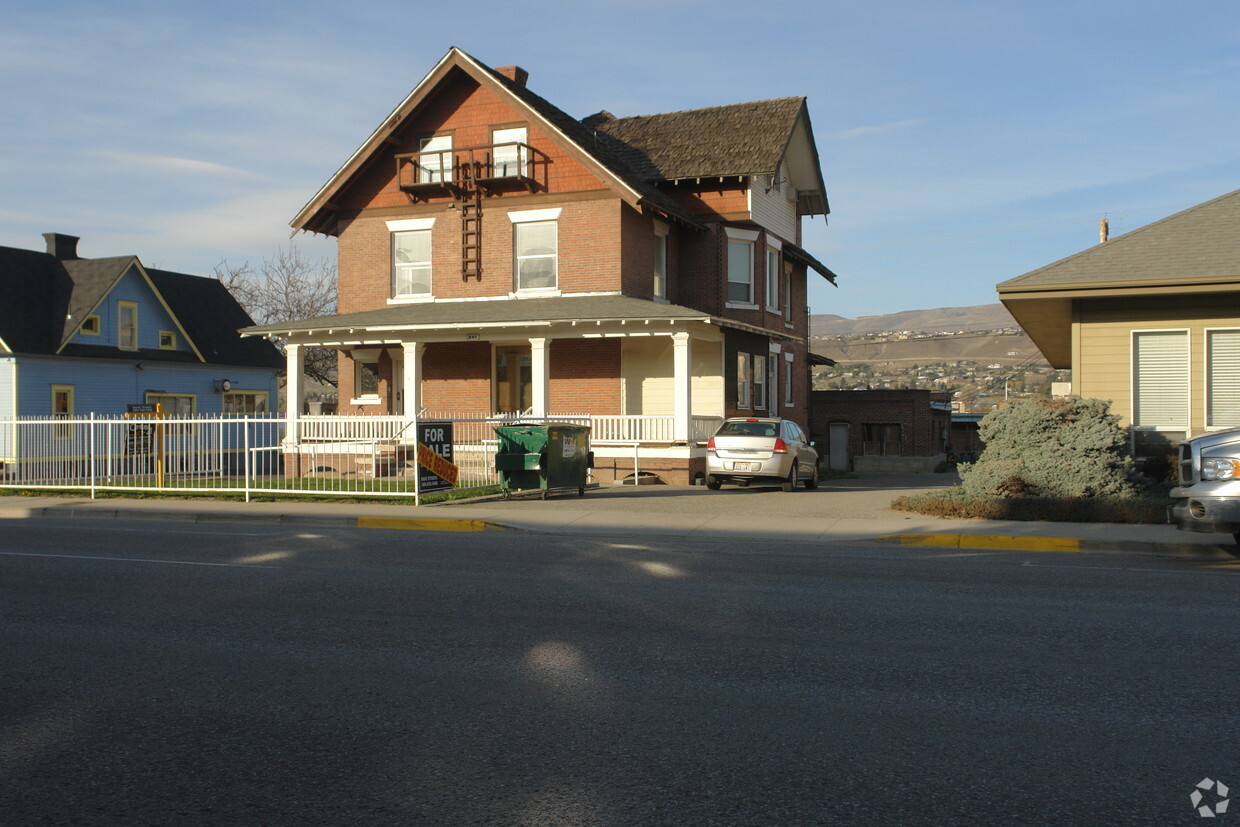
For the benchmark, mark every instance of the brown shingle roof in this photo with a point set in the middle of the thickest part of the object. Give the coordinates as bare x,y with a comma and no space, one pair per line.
738,139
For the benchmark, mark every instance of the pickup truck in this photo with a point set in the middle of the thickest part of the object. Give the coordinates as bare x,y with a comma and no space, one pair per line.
1208,496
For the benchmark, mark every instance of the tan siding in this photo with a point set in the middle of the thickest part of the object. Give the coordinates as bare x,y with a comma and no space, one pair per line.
1105,363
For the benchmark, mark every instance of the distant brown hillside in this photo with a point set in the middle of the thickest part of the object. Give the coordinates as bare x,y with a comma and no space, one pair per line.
985,348
942,320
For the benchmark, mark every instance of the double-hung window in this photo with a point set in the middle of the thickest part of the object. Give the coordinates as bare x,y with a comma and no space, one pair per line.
740,266
742,380
759,381
660,260
773,274
411,257
435,159
509,153
788,378
127,325
535,249
1222,378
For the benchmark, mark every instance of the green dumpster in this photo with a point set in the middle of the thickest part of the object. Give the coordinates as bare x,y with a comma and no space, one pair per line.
545,457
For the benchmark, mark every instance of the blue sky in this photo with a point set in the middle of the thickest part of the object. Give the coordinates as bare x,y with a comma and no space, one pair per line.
963,143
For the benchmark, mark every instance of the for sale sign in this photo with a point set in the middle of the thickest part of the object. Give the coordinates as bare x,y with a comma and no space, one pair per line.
435,469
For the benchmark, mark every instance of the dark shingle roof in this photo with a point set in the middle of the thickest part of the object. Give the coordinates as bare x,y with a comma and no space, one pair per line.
1202,242
738,139
42,292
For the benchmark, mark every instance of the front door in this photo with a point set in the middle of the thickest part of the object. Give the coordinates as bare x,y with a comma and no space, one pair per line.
514,374
838,444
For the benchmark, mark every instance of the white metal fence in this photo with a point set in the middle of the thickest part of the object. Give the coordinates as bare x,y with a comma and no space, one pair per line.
347,455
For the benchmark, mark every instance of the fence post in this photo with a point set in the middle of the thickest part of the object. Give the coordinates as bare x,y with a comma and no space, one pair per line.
90,454
246,429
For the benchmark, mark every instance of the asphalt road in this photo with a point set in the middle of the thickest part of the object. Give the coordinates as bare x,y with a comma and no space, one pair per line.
161,674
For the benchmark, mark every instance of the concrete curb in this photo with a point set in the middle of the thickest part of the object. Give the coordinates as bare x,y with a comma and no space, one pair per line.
1007,542
310,520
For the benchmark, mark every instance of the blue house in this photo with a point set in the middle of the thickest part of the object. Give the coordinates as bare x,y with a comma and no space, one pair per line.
81,336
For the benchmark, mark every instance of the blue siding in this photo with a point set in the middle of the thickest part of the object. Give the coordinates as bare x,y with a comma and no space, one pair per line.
107,386
152,317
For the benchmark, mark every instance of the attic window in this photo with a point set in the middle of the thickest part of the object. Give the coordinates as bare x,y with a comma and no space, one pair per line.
167,340
90,327
435,160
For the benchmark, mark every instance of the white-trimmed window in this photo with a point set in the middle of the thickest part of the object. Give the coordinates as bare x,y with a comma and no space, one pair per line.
1222,378
366,379
240,403
535,249
759,381
1160,379
787,379
411,257
62,408
435,159
127,325
660,260
773,273
167,340
742,380
740,267
509,155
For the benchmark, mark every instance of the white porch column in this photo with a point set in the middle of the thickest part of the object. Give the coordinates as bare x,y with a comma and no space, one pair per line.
540,360
682,383
294,390
411,378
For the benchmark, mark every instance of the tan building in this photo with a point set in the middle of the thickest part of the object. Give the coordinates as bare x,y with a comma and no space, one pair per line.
1149,320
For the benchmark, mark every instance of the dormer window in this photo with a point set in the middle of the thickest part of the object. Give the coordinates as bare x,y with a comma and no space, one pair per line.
510,154
90,327
435,159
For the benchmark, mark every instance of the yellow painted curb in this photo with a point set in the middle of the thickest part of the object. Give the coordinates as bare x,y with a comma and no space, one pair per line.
419,524
990,541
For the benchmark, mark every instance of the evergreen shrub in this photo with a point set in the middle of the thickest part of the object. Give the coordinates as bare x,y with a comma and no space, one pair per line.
1053,448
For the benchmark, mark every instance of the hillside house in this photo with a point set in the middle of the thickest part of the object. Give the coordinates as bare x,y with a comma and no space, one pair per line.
497,255
1149,320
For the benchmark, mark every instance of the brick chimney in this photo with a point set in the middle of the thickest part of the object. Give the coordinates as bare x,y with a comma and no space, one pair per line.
515,74
63,247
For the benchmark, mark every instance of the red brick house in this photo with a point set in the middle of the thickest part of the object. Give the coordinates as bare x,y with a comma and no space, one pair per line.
498,255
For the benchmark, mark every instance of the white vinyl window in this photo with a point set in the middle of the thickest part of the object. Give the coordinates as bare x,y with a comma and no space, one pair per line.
742,380
660,260
759,381
772,277
1160,379
435,159
509,153
411,263
535,250
1222,378
740,271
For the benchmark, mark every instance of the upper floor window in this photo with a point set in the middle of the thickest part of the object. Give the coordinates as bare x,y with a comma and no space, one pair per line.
435,159
773,273
660,260
127,325
90,327
788,294
740,266
167,340
411,257
509,154
535,249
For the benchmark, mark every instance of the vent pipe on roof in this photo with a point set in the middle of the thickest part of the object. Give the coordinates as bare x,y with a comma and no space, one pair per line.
1104,230
515,74
63,247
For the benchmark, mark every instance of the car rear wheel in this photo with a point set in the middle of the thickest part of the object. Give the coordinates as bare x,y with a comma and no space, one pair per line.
713,483
812,482
790,484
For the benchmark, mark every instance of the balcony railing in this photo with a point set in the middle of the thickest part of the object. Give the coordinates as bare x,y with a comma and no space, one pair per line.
493,167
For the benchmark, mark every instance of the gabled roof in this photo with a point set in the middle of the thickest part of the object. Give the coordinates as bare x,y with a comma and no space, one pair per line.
1199,245
47,299
1196,251
747,138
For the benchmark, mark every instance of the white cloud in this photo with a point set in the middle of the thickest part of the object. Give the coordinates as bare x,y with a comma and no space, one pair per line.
163,163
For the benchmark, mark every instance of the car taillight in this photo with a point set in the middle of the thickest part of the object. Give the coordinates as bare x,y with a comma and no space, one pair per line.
710,445
780,447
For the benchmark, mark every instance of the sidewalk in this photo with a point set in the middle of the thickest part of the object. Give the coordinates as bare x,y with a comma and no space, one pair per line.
854,510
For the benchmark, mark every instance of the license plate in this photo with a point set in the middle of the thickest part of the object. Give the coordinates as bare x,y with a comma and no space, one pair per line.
742,466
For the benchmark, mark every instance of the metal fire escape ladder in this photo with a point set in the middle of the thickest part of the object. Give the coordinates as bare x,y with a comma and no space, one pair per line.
470,199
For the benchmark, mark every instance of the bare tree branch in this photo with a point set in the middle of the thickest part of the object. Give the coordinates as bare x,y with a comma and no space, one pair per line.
286,287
